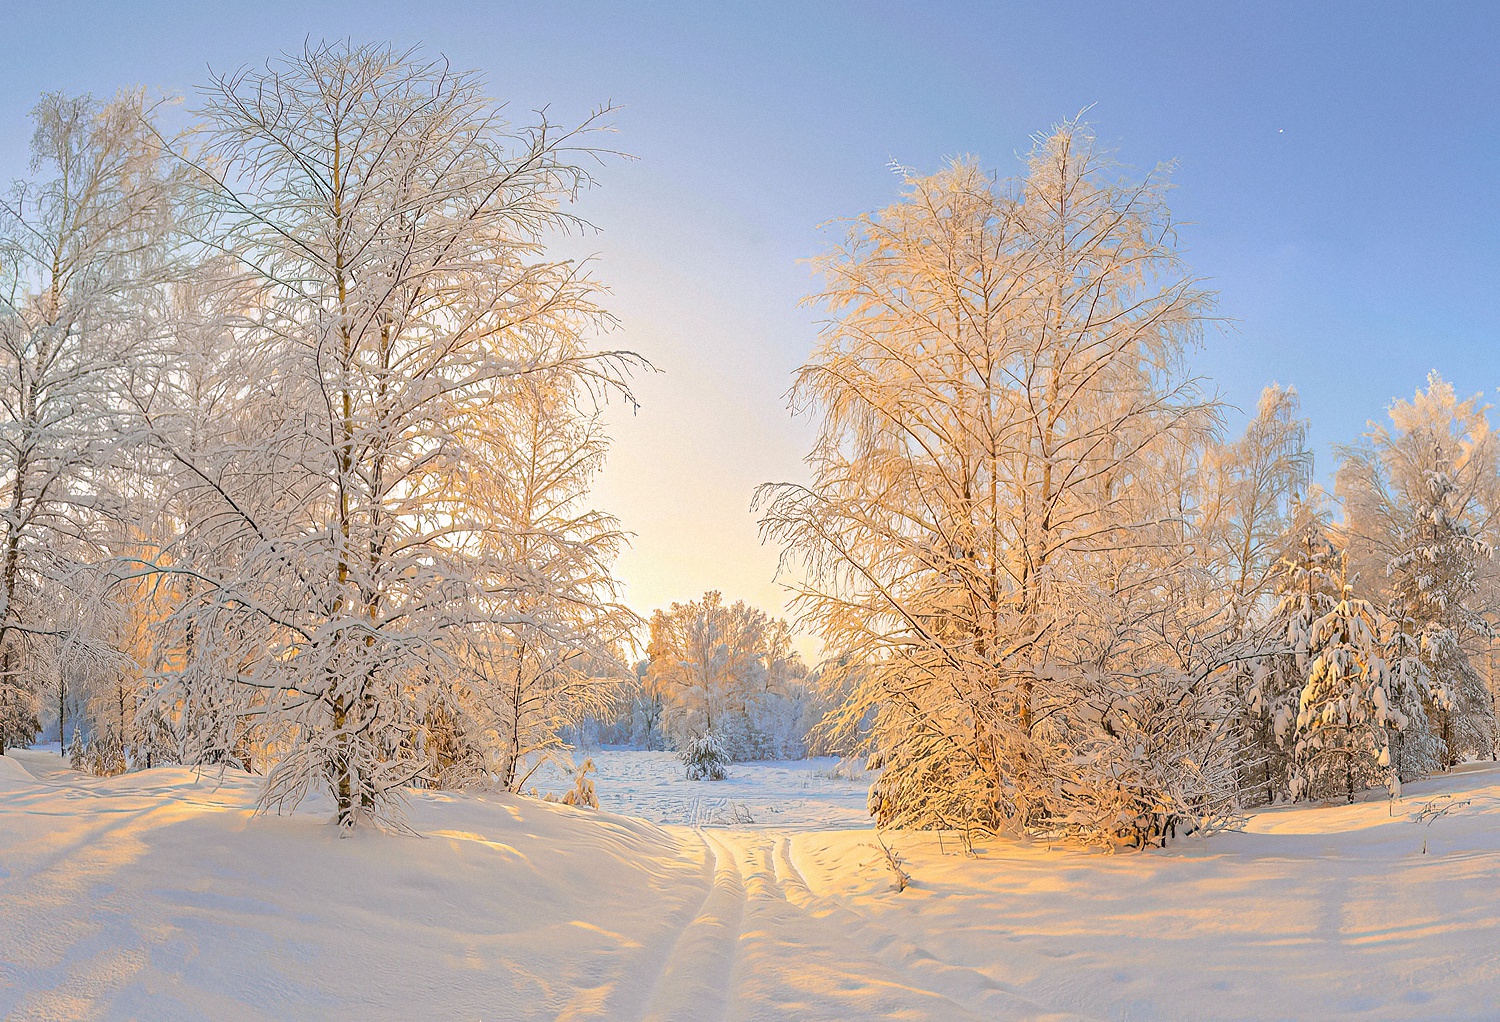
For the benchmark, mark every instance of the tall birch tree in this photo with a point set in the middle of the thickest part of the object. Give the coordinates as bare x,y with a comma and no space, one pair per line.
393,225
993,525
83,242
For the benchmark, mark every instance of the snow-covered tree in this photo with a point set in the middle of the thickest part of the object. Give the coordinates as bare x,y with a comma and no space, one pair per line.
1271,682
1417,750
389,228
704,756
1420,495
1258,532
1433,579
727,669
83,245
996,536
201,405
1253,487
1333,698
1347,707
558,656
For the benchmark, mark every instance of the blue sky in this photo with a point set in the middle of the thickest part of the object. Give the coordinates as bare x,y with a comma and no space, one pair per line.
1337,163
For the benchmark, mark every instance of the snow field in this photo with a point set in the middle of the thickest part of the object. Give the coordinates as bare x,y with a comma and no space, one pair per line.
158,895
796,793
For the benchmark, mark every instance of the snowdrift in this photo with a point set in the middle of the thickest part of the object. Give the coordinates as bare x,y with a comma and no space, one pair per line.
157,895
13,775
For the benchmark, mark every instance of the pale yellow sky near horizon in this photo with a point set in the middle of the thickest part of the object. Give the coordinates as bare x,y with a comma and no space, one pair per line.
713,422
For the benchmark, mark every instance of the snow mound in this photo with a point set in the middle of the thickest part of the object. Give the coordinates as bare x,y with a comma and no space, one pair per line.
159,895
13,775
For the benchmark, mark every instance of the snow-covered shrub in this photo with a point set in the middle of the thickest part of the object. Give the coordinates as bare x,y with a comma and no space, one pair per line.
104,755
582,793
454,760
704,757
1154,760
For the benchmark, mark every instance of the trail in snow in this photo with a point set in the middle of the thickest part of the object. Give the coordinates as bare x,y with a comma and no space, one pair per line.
158,894
764,947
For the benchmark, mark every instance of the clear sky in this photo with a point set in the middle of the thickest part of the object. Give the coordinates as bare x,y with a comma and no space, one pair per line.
1338,163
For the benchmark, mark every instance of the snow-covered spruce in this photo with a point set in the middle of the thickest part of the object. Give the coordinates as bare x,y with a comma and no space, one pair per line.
704,756
1340,738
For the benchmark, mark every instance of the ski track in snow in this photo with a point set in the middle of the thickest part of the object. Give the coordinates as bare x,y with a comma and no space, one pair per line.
158,895
763,946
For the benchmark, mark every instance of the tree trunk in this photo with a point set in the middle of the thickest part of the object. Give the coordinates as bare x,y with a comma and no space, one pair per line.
9,695
342,765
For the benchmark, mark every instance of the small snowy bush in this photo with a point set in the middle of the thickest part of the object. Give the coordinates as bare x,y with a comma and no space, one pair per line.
583,794
705,757
102,756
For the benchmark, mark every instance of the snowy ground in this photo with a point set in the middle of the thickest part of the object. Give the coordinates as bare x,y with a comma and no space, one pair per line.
799,794
157,895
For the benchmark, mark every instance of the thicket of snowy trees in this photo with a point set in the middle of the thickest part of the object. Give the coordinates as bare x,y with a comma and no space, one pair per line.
299,420
1061,601
729,671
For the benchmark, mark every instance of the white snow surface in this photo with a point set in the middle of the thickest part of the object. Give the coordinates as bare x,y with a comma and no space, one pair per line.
803,794
160,895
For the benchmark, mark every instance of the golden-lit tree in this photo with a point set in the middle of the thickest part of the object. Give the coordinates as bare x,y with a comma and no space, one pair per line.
993,537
